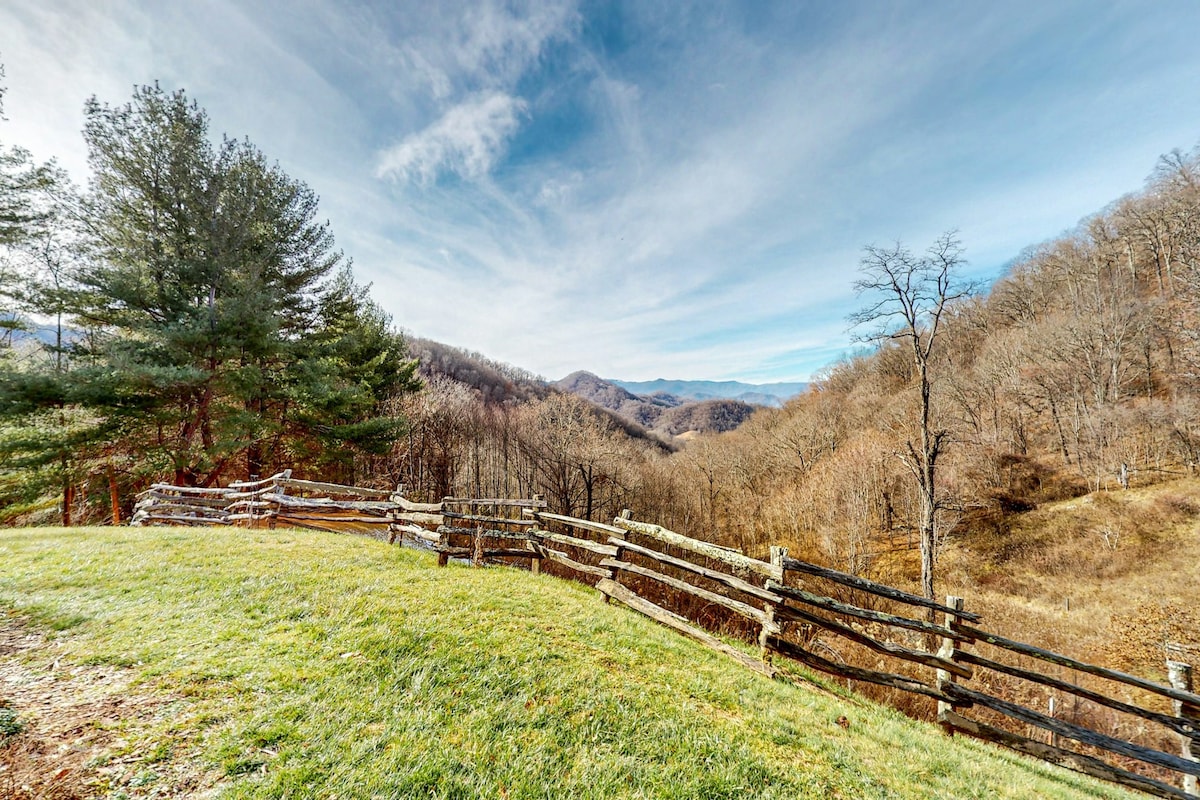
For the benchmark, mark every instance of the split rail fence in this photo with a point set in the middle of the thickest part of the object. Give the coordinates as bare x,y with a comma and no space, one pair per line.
791,608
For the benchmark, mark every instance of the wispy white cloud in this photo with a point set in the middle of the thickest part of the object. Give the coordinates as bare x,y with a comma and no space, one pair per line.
643,189
467,140
711,214
480,45
470,58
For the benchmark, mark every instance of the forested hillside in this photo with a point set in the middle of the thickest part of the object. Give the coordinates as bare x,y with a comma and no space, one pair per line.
492,381
1077,371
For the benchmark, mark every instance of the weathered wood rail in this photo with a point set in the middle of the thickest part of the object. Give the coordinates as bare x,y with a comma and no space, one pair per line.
631,562
785,605
163,504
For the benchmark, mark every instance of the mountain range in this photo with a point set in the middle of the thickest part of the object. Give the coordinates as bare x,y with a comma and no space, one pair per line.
690,406
662,410
759,394
668,408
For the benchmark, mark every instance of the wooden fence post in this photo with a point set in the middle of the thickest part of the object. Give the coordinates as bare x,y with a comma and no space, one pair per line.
286,475
1180,675
770,627
393,534
477,550
535,564
443,543
614,574
949,649
114,496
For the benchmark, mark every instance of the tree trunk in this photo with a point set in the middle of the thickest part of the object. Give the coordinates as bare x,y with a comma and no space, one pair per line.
68,493
927,460
928,545
114,496
589,481
1062,436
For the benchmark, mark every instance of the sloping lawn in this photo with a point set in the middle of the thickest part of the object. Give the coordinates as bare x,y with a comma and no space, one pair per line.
305,664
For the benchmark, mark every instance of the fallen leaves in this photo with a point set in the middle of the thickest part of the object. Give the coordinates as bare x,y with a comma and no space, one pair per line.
82,729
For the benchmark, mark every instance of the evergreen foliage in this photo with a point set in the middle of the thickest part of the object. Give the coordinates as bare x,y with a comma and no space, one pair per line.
212,329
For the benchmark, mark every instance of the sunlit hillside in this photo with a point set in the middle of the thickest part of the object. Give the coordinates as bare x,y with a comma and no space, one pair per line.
283,663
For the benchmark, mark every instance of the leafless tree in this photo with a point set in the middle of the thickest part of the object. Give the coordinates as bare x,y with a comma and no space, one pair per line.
908,297
576,453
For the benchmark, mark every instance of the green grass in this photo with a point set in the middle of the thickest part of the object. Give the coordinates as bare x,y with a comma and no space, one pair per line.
313,665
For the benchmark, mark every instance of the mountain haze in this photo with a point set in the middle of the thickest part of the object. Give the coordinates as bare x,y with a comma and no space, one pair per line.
762,394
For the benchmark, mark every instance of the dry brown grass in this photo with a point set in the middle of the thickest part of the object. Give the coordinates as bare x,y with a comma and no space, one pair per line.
1110,577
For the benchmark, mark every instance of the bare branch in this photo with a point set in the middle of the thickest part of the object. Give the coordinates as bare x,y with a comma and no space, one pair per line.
908,297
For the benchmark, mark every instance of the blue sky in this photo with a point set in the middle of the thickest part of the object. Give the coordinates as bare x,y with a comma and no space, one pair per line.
644,189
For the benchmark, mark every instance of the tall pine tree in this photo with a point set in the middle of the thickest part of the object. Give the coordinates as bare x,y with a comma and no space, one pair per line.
40,435
215,330
224,301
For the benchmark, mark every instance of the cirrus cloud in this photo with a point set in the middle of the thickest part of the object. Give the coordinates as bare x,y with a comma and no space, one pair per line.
467,140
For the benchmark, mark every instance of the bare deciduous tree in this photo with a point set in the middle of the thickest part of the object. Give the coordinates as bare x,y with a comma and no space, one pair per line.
909,295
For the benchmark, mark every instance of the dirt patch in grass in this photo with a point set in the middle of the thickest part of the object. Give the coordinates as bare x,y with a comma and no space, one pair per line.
69,731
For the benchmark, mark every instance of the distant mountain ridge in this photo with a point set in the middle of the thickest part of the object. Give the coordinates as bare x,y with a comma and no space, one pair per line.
762,394
660,412
645,411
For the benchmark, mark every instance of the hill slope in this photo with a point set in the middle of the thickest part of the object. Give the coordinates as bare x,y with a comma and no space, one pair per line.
307,664
645,411
1109,577
706,416
495,382
660,412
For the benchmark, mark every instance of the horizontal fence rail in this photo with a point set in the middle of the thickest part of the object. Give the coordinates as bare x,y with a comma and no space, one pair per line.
163,504
701,589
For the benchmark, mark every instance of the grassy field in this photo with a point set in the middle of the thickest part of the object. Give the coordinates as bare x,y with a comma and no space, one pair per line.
298,664
1108,577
